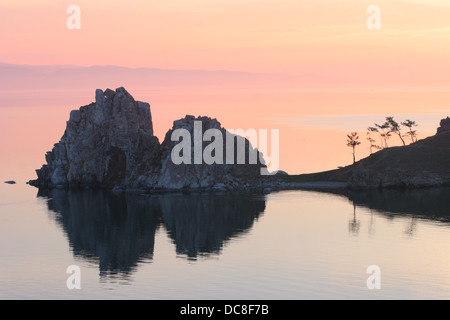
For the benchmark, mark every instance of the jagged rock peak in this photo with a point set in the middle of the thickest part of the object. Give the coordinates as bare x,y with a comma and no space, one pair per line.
108,142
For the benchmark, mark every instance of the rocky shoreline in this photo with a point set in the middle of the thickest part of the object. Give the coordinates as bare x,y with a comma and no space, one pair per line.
266,187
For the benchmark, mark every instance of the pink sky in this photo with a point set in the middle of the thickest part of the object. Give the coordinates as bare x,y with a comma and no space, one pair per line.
282,36
403,68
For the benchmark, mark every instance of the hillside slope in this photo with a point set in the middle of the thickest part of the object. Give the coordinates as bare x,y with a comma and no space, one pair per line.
425,163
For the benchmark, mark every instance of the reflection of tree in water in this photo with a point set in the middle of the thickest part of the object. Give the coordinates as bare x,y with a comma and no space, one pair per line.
411,228
118,231
371,223
427,204
430,204
353,224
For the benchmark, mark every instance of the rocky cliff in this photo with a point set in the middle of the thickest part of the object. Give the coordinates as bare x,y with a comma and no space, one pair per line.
110,143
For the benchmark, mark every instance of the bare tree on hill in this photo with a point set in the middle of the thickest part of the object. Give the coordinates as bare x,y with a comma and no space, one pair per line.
383,130
411,133
394,127
352,142
371,140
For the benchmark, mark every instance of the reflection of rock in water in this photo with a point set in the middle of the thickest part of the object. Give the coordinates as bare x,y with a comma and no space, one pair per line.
119,230
199,225
433,203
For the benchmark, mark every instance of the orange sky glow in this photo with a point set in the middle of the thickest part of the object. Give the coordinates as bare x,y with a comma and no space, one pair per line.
350,71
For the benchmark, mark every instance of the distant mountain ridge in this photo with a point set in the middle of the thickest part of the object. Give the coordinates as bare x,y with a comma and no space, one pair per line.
35,77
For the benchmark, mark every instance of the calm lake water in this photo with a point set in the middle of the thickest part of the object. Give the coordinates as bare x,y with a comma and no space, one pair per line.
282,245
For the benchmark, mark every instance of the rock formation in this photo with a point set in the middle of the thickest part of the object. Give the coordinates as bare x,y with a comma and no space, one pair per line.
110,143
444,125
216,175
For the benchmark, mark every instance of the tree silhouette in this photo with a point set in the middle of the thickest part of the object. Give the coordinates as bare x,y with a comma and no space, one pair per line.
411,133
352,142
395,128
372,140
383,130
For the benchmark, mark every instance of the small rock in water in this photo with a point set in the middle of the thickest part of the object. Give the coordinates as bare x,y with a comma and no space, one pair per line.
10,182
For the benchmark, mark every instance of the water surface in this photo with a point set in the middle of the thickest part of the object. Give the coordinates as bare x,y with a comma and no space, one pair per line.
282,245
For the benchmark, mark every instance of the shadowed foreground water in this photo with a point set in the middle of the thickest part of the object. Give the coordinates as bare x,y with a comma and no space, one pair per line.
282,245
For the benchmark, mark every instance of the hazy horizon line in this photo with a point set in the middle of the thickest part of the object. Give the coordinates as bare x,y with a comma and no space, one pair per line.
149,68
